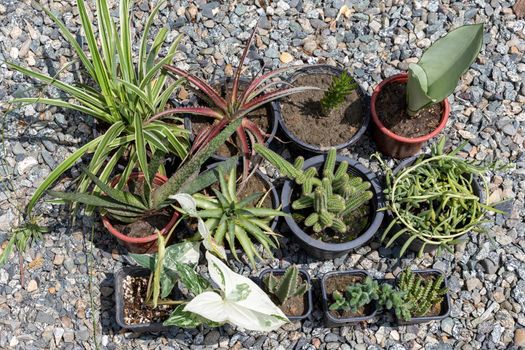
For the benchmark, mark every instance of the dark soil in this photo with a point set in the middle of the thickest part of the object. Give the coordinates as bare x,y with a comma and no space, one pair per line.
145,227
303,115
135,309
391,110
294,306
339,283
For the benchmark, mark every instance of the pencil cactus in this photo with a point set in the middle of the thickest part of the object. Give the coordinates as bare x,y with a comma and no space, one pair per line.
286,287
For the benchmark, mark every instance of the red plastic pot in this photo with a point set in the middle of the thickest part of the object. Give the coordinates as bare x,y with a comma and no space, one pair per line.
394,145
139,245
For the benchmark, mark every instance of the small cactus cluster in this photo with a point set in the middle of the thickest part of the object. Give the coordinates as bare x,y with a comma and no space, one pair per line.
391,298
356,296
286,287
332,198
421,293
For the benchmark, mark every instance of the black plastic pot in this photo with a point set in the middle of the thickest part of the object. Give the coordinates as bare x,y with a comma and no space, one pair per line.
445,304
315,149
330,320
275,201
119,277
320,249
306,277
416,244
273,122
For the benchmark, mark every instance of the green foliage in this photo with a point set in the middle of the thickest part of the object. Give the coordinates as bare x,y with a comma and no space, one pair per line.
21,236
433,200
287,286
231,219
124,95
421,293
391,298
436,74
340,87
331,199
356,296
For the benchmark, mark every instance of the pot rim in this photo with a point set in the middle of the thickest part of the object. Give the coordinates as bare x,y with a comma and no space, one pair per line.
333,70
403,78
109,226
375,217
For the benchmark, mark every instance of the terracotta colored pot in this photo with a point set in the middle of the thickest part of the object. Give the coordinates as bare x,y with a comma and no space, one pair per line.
394,145
139,245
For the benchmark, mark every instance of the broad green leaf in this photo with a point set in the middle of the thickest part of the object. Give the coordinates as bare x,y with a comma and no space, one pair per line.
195,283
183,319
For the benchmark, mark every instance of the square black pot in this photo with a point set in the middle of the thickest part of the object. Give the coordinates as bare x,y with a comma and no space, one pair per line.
331,321
445,303
306,277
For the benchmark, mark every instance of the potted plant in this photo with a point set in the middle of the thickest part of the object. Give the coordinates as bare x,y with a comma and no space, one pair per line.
235,299
335,115
411,108
290,289
237,103
142,210
228,219
348,297
123,97
333,212
434,201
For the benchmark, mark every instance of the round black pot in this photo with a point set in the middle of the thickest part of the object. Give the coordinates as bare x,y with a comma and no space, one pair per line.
320,249
272,108
301,145
330,320
445,303
306,277
416,244
275,201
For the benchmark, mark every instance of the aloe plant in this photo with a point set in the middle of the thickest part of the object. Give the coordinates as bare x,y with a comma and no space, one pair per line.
128,207
356,296
287,286
332,199
340,87
125,94
260,91
436,74
231,219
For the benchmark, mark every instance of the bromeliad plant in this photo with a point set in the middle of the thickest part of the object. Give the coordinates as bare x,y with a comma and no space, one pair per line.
331,199
236,105
124,95
356,296
433,200
436,74
287,286
228,218
337,92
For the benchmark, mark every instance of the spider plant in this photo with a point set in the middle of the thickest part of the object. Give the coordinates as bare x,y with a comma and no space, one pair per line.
236,104
124,95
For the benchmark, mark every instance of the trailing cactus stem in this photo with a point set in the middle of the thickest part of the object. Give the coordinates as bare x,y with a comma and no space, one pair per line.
356,202
329,164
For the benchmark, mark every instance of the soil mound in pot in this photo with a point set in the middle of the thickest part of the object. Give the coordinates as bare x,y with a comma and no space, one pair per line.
304,118
391,110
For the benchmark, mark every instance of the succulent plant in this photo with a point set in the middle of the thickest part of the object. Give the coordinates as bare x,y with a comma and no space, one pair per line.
286,287
332,199
356,296
390,298
340,87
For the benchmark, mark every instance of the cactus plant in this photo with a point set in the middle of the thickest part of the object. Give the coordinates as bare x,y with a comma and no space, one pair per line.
286,287
356,296
391,298
332,199
340,87
421,293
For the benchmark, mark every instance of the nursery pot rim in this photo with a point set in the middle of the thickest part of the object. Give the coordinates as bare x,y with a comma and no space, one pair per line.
159,178
326,69
403,78
325,298
309,298
375,217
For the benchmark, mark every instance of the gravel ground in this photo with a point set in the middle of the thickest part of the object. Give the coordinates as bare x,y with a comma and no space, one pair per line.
66,300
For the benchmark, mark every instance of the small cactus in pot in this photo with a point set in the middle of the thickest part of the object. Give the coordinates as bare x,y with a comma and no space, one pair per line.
287,286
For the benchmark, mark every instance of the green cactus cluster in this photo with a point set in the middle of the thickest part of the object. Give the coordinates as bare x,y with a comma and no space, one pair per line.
356,296
331,198
340,87
421,293
391,298
287,286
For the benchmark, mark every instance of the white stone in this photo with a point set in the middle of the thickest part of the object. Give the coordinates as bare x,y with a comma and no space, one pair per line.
58,333
13,53
32,286
26,164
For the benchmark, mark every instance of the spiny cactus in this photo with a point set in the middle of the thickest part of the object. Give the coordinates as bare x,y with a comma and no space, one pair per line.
331,198
287,286
340,87
421,293
356,296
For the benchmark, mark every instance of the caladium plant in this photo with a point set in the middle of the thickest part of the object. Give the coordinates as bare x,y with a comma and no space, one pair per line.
259,91
436,74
